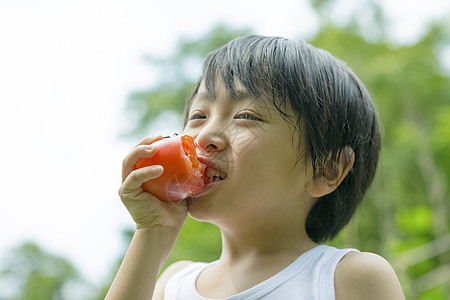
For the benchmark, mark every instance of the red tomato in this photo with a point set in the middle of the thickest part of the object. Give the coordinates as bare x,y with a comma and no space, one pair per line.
183,173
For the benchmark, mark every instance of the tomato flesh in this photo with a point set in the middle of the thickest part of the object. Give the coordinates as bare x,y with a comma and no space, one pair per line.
183,174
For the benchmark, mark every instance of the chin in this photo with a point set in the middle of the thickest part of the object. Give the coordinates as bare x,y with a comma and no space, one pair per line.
203,208
197,208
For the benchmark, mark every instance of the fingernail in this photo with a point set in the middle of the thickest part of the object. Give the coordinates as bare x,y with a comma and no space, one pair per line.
158,169
149,147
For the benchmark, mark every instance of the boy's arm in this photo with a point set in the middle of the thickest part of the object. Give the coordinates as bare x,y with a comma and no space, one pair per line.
366,276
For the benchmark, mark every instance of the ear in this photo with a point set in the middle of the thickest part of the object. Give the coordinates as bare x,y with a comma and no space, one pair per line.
330,177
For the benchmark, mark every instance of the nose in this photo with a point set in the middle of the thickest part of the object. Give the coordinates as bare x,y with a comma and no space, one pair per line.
211,139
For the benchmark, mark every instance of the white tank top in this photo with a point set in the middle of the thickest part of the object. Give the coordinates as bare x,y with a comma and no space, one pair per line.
310,276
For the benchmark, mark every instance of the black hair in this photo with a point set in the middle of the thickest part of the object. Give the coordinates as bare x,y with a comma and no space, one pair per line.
333,110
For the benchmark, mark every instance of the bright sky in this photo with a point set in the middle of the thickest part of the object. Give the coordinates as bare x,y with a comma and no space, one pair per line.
66,68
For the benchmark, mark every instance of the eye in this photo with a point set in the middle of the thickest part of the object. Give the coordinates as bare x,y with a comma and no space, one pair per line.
248,116
196,116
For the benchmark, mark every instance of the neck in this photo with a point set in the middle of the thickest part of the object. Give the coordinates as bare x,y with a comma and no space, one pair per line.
273,240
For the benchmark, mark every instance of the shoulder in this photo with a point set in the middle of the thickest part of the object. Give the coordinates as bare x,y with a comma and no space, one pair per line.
166,275
364,275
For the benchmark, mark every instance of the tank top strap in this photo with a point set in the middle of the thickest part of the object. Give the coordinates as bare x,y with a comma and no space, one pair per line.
326,271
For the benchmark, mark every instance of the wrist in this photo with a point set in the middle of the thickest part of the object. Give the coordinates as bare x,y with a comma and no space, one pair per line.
163,237
158,232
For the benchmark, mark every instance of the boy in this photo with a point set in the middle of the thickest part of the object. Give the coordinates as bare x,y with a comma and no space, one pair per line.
290,139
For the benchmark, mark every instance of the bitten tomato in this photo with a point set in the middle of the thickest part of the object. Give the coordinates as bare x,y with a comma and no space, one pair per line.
183,173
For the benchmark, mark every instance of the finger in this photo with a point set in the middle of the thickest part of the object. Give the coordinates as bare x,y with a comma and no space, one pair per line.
141,150
137,177
135,155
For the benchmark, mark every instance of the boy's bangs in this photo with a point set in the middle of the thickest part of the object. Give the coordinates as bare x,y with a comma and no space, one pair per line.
241,68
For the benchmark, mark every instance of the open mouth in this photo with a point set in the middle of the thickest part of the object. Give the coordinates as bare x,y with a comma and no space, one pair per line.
212,174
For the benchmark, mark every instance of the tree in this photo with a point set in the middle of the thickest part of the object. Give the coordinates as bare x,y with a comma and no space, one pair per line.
30,273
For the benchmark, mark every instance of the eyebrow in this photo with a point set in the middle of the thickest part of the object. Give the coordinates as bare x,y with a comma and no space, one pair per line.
205,95
211,97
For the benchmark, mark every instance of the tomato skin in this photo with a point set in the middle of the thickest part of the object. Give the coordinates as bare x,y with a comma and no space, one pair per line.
179,179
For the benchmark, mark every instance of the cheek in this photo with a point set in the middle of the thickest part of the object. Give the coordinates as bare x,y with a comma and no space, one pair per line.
261,168
242,141
276,165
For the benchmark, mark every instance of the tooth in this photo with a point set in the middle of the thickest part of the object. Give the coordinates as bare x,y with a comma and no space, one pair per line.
211,173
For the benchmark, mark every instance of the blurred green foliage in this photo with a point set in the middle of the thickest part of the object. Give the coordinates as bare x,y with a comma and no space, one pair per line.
30,273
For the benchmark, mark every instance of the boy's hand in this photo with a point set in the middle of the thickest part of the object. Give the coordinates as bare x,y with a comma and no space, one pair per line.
147,210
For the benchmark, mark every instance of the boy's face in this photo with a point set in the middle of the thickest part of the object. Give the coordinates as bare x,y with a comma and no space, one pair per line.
251,154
